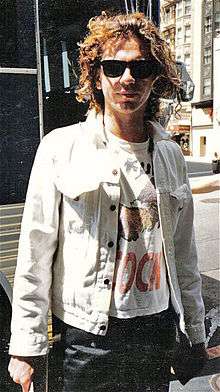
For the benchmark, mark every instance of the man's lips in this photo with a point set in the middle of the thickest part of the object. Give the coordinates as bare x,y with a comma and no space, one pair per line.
127,93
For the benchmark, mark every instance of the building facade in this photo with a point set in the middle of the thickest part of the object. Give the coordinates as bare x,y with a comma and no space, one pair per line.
196,36
176,26
216,90
205,140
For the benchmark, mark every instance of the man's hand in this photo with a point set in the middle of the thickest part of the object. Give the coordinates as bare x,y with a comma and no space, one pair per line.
199,351
189,361
21,372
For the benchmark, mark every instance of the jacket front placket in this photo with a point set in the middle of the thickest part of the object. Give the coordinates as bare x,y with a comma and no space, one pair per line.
107,247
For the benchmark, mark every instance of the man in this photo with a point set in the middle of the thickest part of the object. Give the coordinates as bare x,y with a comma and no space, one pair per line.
107,237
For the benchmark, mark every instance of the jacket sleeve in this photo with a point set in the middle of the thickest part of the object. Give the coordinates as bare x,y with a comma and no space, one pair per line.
38,242
187,269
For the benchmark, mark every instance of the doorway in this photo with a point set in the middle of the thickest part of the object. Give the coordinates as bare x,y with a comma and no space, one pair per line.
202,146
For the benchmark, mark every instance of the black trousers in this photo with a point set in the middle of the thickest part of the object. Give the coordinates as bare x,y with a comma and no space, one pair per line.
134,356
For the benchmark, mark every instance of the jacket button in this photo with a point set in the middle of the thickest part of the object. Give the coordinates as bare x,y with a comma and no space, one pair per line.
103,328
106,281
112,207
110,244
115,172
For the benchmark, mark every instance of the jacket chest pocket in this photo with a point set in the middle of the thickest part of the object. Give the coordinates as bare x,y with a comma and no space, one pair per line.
79,214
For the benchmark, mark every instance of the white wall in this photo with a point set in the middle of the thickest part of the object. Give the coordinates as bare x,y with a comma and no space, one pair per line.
201,117
202,126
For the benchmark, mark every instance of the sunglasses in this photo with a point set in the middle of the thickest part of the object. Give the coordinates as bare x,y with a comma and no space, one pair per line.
140,69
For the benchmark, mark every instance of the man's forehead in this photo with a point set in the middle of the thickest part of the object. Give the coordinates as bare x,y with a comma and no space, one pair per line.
115,45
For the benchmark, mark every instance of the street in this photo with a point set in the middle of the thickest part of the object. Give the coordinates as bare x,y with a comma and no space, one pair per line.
197,168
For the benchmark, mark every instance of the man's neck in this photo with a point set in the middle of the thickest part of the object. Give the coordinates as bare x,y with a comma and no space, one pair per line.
129,128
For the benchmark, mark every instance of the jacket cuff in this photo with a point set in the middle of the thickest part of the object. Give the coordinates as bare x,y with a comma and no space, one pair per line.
28,346
196,334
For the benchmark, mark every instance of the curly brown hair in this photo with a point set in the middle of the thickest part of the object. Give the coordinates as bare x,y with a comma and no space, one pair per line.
105,27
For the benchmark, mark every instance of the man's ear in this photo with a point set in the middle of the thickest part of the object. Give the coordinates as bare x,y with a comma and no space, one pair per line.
98,84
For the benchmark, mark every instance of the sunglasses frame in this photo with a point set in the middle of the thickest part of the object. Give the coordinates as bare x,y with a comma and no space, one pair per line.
153,68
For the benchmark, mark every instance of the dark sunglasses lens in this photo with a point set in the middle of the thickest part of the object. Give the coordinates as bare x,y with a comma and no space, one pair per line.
113,69
141,70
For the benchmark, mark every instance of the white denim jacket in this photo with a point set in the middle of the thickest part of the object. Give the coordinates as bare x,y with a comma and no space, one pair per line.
69,235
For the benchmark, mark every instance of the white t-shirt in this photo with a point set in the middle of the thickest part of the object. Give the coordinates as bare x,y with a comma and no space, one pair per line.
140,283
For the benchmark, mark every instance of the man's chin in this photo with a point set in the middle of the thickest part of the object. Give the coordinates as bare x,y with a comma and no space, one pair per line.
126,107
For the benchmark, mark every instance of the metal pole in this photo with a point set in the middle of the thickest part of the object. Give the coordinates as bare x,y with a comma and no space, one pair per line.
126,7
39,69
66,74
132,6
46,68
21,71
149,9
156,13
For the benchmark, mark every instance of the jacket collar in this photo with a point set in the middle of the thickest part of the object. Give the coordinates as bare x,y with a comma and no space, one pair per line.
94,125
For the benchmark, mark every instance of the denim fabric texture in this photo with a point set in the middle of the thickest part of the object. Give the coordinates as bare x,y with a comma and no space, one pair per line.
135,355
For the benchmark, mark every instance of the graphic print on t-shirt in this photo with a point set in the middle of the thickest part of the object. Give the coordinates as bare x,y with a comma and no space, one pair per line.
140,216
140,285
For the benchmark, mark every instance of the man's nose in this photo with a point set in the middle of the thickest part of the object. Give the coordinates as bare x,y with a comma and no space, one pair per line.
127,77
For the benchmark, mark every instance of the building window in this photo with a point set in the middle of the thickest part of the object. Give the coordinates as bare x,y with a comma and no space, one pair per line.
187,59
217,21
207,86
167,15
179,36
202,146
217,6
173,11
187,9
179,9
208,24
207,71
167,38
207,55
187,34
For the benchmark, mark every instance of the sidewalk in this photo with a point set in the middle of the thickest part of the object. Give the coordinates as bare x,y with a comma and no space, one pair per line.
200,384
198,159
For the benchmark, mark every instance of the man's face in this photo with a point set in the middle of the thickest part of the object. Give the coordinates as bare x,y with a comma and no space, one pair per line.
125,94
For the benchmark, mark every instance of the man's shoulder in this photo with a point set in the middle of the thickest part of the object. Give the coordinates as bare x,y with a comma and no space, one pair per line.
172,151
63,135
157,131
60,141
168,148
163,137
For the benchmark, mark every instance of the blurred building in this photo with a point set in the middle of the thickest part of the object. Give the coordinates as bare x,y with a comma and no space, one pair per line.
205,139
191,26
176,26
216,93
